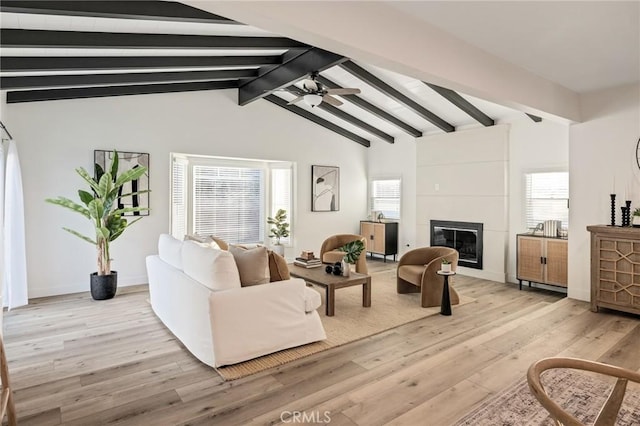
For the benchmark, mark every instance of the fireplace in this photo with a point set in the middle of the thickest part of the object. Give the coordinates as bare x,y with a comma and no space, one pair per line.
466,237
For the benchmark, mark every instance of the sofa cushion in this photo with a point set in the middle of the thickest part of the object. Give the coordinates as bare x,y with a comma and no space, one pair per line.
221,243
170,250
253,264
333,256
411,273
312,300
214,268
203,241
278,269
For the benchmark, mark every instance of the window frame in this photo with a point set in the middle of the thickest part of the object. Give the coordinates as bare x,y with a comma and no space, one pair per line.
217,161
386,178
525,198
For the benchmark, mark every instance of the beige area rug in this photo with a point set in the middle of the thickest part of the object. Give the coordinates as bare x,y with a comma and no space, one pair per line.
580,394
351,322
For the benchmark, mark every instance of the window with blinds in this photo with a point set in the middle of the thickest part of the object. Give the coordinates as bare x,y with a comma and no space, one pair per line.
546,198
228,198
178,197
281,188
385,197
228,202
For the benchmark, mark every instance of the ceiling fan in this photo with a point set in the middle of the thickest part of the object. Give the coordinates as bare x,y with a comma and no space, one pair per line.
313,92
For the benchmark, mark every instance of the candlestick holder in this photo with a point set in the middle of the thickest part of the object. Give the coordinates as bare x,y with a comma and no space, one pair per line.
628,212
624,216
613,209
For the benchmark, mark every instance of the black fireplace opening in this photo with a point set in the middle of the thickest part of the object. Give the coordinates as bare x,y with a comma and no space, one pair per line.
466,237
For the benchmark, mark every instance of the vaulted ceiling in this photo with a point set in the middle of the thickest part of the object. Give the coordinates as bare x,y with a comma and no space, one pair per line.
64,50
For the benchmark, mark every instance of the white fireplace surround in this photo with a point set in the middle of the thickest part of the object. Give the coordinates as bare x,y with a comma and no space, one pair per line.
444,190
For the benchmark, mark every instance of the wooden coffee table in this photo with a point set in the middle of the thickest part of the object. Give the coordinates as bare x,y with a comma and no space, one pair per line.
333,282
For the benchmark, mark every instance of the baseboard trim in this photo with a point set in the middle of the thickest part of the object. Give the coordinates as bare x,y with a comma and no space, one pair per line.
125,281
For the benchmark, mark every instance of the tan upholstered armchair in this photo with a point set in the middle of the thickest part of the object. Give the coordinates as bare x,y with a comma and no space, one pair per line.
329,252
417,274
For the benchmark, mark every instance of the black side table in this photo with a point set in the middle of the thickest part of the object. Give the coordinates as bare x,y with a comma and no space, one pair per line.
445,305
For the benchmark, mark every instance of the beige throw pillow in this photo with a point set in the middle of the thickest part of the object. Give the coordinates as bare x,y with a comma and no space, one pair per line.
253,265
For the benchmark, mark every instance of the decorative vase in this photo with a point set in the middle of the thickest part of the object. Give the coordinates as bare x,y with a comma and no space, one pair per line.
346,268
279,249
445,267
104,287
636,221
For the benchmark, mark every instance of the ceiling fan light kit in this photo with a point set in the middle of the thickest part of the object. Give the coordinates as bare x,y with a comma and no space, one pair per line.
312,100
314,93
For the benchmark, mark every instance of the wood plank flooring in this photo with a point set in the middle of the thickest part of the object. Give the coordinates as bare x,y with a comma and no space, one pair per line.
76,361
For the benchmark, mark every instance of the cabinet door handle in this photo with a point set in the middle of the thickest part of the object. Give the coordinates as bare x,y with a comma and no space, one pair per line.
545,260
541,260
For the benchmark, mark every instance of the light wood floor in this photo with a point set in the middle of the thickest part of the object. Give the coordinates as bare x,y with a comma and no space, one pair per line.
81,362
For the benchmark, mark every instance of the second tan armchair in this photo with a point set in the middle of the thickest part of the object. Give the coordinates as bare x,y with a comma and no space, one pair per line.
417,274
329,252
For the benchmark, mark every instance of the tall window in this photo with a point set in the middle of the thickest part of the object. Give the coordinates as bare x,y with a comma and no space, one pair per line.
385,197
227,198
281,194
546,197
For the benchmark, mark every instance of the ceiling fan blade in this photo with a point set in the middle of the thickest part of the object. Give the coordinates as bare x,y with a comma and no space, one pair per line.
296,100
331,100
343,91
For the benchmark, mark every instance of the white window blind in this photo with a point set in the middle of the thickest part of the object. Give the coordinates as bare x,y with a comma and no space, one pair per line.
547,197
385,197
179,198
228,202
281,188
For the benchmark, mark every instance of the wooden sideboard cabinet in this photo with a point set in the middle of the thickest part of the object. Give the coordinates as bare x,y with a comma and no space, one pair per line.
542,260
615,268
382,237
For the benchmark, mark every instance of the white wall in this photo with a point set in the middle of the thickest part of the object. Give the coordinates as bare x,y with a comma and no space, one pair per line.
463,176
392,161
600,148
56,137
533,147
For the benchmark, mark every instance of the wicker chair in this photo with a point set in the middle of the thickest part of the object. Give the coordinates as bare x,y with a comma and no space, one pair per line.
417,274
611,407
329,252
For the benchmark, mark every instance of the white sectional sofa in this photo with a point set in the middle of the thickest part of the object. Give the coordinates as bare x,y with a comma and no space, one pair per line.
197,294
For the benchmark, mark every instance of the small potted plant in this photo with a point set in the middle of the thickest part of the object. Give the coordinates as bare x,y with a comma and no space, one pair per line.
279,230
636,218
100,206
352,251
446,266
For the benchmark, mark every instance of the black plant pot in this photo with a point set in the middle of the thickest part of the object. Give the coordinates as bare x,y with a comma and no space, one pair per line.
104,287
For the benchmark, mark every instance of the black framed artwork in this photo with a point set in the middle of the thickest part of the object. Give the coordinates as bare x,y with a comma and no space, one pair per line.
325,188
127,161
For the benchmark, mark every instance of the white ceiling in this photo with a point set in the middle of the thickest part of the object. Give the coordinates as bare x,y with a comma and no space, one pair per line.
591,44
583,46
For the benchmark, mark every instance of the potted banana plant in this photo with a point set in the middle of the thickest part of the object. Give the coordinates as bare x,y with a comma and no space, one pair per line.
100,206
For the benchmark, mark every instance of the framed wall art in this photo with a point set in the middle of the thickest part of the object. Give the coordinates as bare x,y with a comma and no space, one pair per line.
325,188
126,161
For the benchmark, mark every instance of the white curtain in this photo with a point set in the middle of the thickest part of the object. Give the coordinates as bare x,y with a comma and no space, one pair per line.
14,259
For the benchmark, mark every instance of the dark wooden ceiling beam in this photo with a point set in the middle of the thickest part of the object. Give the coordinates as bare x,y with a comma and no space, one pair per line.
11,37
288,73
152,10
383,87
61,63
466,106
71,80
534,117
320,121
372,109
99,92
